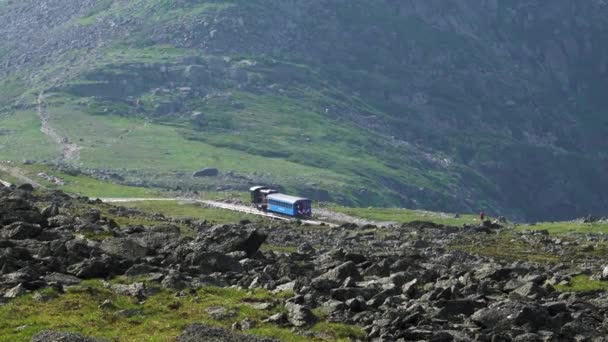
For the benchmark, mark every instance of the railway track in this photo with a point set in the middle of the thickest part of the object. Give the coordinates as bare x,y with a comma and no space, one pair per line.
220,205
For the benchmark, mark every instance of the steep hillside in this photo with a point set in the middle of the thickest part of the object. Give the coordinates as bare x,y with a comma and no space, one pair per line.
436,104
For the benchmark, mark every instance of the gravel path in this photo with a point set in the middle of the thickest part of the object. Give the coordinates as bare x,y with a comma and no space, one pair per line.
69,150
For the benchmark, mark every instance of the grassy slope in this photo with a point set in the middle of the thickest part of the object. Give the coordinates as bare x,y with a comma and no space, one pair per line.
333,155
568,227
582,283
401,215
21,138
81,184
163,316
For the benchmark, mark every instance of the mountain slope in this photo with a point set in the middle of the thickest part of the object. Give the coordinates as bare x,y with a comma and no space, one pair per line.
434,104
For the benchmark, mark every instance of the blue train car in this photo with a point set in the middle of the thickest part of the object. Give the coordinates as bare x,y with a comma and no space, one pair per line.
289,205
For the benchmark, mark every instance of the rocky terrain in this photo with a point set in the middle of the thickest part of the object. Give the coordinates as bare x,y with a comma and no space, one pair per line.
401,283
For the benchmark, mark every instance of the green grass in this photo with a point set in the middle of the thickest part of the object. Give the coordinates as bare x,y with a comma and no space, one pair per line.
85,185
163,317
242,196
567,227
185,209
305,147
340,332
503,246
582,283
7,177
400,215
103,139
22,138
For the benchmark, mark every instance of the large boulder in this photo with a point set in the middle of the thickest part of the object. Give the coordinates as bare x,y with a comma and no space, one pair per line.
157,237
26,187
208,172
532,290
299,315
232,238
199,332
125,248
92,268
16,291
137,290
20,231
336,276
504,315
346,293
18,210
457,307
63,279
213,262
604,275
50,211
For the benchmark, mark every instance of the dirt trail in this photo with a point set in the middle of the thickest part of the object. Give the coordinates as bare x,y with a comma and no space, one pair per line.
326,214
15,172
69,150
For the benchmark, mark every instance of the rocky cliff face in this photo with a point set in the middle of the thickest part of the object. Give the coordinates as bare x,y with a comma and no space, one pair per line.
509,94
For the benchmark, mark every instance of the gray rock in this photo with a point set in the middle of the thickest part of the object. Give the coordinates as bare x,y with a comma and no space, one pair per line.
409,288
346,293
337,275
15,292
503,316
137,290
452,308
50,211
531,290
63,279
125,248
175,281
305,248
220,313
26,187
199,333
60,220
91,268
232,238
91,216
528,337
604,275
56,336
157,238
20,231
208,172
213,262
140,269
299,315
126,313
356,304
279,319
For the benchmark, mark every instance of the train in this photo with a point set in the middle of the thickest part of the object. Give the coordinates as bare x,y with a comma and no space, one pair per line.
270,200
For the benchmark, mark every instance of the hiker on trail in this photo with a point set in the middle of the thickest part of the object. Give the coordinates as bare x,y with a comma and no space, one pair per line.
482,216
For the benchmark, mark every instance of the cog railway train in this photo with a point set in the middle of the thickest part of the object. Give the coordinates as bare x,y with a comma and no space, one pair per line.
269,200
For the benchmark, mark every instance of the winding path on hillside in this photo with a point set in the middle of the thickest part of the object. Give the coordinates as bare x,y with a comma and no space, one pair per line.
69,150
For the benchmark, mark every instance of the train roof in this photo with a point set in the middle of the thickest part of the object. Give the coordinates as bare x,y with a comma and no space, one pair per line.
255,188
286,198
